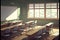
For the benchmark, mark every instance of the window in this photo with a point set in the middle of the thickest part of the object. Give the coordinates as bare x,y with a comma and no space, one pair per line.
44,11
51,10
51,13
31,13
51,5
58,10
36,11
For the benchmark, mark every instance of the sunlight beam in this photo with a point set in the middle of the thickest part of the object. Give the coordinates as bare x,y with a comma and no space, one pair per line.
14,15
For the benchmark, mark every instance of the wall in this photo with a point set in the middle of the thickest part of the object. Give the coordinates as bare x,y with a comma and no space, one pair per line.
7,12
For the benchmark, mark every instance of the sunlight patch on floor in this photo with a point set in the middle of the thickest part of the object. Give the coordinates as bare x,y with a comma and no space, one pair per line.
55,32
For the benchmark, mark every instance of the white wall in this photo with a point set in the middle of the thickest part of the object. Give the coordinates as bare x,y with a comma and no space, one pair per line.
7,11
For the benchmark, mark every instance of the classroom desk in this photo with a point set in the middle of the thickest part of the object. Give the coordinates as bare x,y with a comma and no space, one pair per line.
7,24
29,22
51,23
11,27
35,29
31,32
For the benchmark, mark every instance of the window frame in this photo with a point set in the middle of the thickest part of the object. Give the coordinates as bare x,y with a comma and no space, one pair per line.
44,11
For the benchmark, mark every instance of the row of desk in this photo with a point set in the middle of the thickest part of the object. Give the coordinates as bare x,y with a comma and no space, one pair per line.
9,25
27,23
16,29
34,32
29,30
18,25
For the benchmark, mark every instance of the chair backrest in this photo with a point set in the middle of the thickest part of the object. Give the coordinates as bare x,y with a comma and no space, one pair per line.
7,31
15,28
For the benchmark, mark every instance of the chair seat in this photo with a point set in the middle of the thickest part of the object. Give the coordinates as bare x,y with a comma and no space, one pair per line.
7,35
38,37
14,31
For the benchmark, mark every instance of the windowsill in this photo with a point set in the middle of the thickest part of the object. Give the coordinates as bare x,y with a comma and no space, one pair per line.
43,18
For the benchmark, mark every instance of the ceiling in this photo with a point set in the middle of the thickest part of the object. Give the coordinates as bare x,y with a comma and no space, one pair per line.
18,2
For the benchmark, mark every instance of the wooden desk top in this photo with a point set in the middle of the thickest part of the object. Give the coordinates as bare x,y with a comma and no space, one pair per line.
11,27
49,24
11,22
35,29
29,22
16,21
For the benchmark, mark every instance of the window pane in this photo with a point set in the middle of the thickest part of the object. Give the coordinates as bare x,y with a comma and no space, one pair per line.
51,13
41,5
48,13
41,13
51,5
36,13
58,13
36,5
54,13
58,5
30,5
31,13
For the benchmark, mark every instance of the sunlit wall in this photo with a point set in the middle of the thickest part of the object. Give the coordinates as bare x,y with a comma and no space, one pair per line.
9,12
14,15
